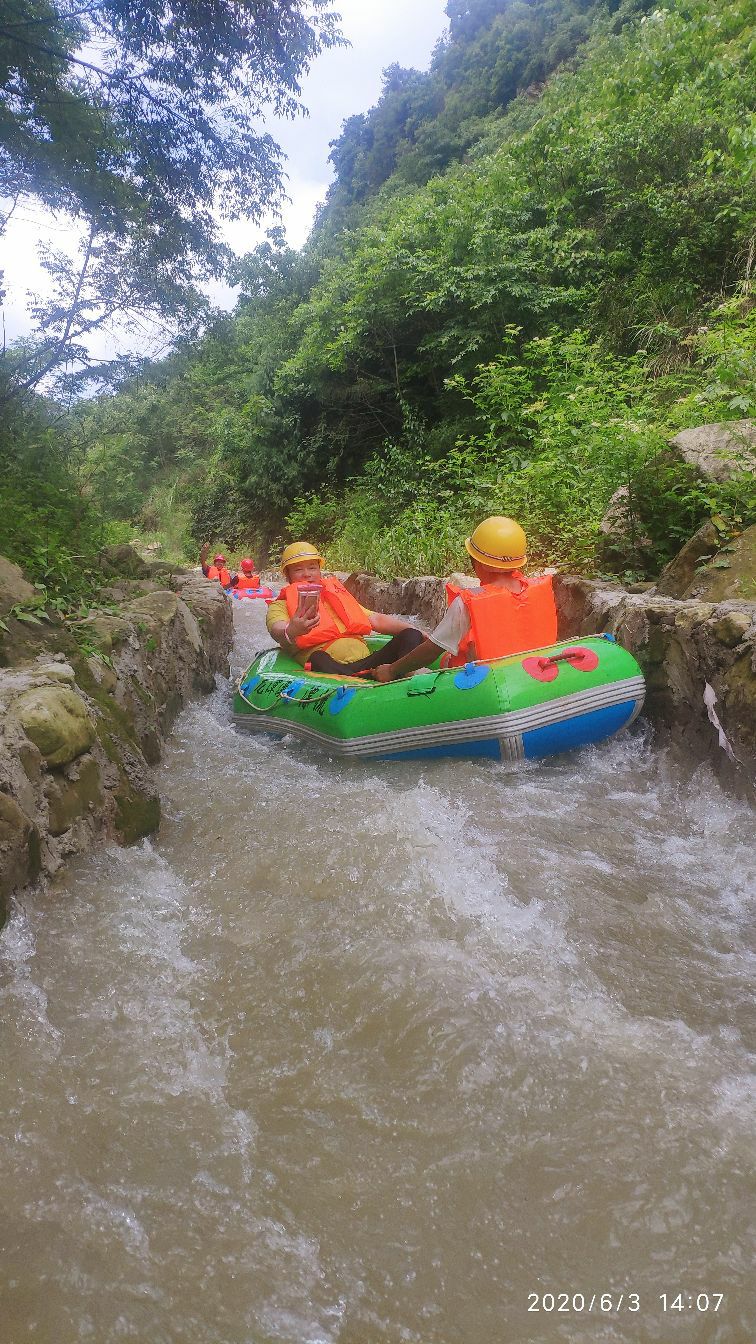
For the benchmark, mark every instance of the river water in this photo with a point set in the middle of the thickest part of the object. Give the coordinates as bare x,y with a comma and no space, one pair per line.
386,1053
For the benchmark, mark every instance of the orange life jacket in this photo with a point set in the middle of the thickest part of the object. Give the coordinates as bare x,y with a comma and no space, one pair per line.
248,581
502,622
222,575
335,600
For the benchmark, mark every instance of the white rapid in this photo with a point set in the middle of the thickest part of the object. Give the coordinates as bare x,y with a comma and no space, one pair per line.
420,1053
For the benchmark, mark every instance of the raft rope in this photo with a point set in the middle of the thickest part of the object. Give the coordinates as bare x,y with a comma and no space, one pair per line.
362,684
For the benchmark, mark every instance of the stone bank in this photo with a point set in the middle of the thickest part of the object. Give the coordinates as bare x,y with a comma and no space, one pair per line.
85,710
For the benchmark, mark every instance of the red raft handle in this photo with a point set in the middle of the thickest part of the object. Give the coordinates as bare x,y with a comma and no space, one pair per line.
547,669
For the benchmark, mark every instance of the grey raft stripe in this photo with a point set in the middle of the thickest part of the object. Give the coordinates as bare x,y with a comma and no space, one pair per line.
504,726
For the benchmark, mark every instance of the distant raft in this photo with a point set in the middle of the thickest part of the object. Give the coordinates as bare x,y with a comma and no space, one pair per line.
522,707
240,594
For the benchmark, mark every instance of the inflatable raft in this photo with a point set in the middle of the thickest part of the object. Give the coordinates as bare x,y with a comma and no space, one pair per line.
524,706
265,593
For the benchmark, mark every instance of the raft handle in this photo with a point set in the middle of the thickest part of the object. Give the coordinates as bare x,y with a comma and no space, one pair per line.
426,690
569,656
546,669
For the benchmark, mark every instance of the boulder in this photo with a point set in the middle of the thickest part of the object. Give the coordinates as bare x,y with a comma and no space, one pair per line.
739,704
160,606
729,573
57,721
106,630
718,451
160,568
13,586
56,670
213,613
678,575
624,541
734,626
122,559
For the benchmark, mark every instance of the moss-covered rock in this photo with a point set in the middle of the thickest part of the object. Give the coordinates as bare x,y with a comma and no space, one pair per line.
20,851
729,573
739,702
57,721
105,630
137,813
57,671
103,673
160,606
83,716
733,627
71,797
122,559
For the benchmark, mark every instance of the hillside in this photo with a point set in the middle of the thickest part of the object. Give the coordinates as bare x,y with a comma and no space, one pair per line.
513,293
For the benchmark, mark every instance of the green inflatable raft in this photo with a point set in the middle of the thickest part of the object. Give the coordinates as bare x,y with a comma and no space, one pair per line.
524,706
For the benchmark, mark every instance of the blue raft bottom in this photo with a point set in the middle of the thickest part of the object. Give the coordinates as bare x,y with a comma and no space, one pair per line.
580,731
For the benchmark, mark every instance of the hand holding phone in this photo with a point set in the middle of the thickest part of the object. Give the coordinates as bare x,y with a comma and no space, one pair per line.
308,604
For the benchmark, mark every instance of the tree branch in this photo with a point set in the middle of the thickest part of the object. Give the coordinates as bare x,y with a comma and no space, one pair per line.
60,344
109,76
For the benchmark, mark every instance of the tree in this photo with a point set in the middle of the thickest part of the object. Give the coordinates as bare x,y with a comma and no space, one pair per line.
141,120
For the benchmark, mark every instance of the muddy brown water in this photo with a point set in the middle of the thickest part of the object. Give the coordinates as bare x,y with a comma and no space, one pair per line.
411,1053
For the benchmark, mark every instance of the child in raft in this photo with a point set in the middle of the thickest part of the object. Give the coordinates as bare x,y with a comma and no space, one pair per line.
507,614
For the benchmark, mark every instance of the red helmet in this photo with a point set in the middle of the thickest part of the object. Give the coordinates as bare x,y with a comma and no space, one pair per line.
219,560
247,565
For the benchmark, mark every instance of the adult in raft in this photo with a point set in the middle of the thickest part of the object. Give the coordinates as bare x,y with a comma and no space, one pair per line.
247,581
506,614
218,569
325,626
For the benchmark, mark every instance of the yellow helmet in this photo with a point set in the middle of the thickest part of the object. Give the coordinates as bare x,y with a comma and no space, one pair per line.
499,543
297,552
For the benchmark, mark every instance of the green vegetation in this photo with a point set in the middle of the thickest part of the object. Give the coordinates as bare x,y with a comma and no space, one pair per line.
515,292
561,424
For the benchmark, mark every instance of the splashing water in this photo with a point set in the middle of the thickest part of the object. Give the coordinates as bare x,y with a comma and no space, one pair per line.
366,1052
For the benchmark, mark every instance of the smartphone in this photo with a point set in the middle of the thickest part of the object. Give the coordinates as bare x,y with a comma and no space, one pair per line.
309,602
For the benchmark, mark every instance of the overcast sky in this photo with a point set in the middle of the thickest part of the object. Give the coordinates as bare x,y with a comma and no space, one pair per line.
340,84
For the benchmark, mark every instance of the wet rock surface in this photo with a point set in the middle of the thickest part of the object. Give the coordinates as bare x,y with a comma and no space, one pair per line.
424,598
123,559
683,645
81,725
